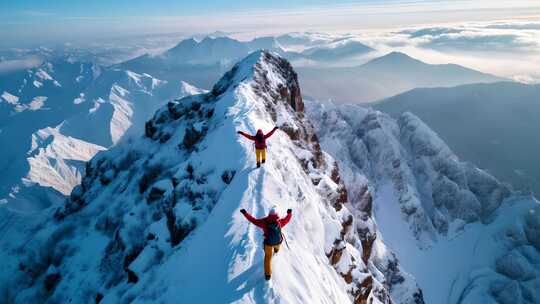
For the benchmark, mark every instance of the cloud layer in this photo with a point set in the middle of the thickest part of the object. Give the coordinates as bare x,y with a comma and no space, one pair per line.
489,37
507,48
19,64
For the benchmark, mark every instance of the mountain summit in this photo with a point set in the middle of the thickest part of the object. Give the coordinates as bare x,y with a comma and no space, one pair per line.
383,77
398,59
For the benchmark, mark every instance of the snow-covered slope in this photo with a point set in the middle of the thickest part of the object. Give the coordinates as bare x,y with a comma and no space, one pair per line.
187,89
117,104
57,160
463,235
156,218
49,131
32,108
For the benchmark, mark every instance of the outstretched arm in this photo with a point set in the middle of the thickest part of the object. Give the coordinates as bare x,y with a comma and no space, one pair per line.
284,221
246,135
271,132
254,221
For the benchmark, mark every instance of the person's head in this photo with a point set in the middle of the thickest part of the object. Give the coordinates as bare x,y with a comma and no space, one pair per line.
259,131
273,211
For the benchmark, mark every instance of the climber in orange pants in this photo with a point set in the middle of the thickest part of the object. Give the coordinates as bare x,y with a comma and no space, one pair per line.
260,144
271,226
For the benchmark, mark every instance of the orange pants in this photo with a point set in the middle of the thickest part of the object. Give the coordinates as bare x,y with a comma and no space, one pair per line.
261,155
269,251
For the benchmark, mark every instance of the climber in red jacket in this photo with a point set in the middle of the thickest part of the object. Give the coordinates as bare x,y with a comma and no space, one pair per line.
260,144
271,226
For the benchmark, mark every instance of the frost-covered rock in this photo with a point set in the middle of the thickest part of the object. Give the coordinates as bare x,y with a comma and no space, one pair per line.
434,187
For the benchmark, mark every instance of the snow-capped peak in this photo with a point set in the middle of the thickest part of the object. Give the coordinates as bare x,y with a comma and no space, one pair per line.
394,58
187,89
156,219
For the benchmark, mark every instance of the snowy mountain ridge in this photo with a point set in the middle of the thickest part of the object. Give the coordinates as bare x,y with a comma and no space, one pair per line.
487,134
433,187
383,211
94,109
464,236
161,211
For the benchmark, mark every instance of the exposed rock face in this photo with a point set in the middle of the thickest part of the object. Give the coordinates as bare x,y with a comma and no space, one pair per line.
433,186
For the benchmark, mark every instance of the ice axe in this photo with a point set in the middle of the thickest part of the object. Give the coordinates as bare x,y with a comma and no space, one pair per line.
285,239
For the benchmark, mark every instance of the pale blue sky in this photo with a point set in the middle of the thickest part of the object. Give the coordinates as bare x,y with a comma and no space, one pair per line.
24,20
155,7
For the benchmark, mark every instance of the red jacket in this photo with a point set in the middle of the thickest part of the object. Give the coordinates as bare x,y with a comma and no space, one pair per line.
261,223
259,144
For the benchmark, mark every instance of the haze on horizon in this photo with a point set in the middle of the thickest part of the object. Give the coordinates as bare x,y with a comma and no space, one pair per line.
498,37
48,21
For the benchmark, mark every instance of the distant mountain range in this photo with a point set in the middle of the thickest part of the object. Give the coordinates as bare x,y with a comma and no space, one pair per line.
201,63
46,109
383,210
383,77
57,116
492,125
222,51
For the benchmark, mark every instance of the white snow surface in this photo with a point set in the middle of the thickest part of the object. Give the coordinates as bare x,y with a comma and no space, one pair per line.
465,268
86,116
156,219
36,104
57,161
37,84
10,98
187,89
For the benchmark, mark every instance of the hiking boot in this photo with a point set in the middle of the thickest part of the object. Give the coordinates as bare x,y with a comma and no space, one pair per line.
263,161
276,250
267,277
258,165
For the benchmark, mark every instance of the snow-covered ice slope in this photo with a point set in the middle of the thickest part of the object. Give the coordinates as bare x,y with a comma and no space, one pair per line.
36,108
156,219
93,109
464,236
57,160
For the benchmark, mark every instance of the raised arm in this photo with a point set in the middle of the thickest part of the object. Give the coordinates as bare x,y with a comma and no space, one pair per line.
254,221
284,221
246,135
271,132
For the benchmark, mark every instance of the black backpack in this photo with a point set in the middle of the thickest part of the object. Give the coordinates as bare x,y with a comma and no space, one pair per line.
273,234
259,138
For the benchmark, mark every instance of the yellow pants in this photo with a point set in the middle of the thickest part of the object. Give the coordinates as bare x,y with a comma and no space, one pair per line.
261,155
269,250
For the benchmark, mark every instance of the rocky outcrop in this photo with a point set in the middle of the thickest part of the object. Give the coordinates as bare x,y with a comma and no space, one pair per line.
421,169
